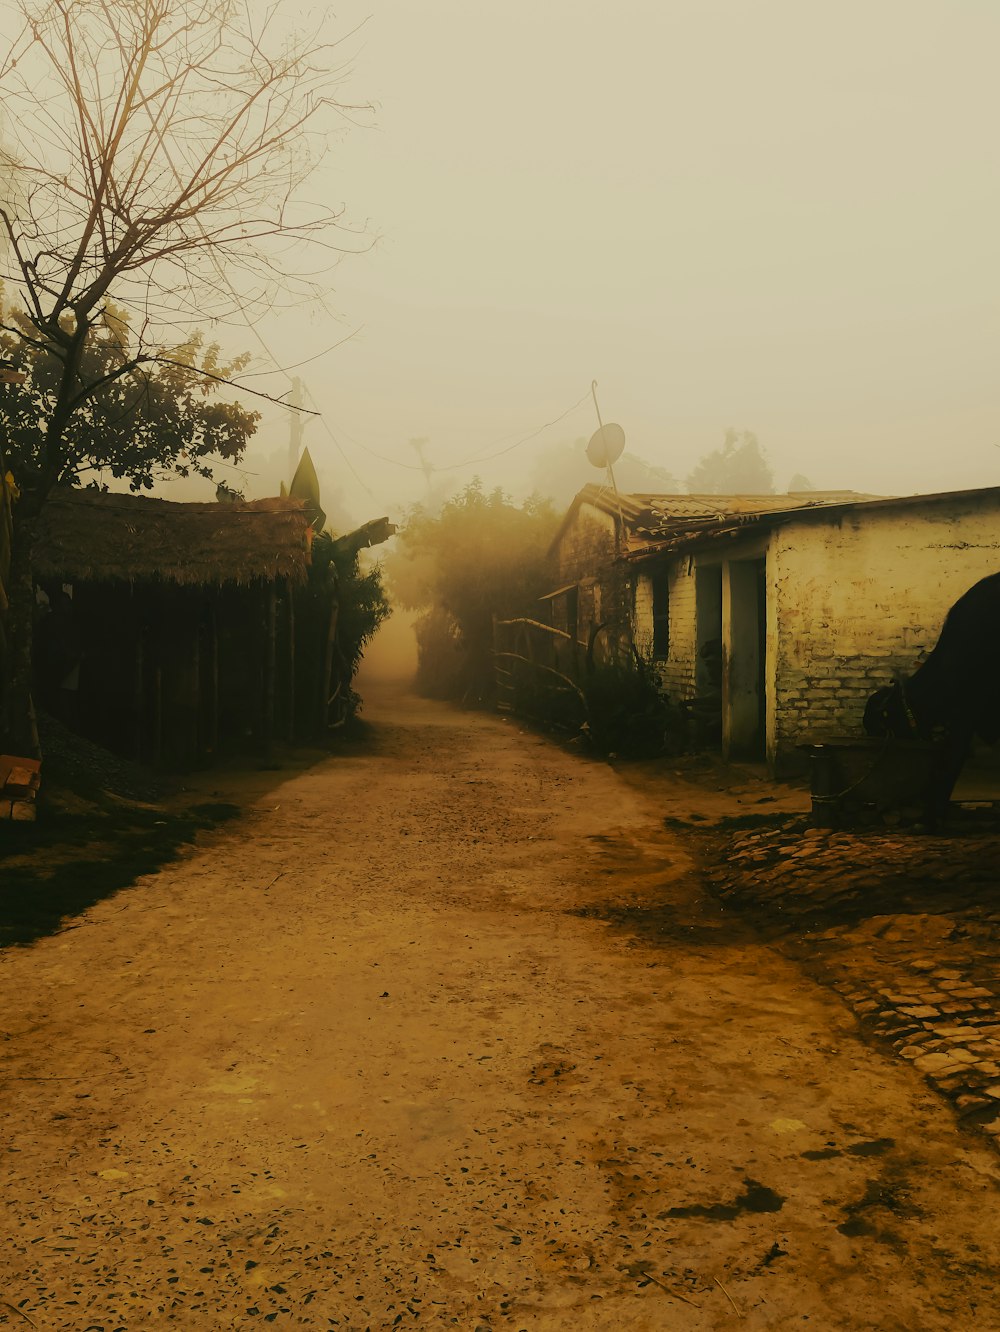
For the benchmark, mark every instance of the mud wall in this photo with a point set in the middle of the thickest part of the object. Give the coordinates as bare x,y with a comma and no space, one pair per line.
585,555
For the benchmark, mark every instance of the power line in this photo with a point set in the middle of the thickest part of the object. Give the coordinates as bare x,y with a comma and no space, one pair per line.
284,369
340,448
476,458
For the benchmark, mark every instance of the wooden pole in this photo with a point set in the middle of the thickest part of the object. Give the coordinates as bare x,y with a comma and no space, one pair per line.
158,715
138,696
326,675
290,734
213,685
270,664
18,722
194,694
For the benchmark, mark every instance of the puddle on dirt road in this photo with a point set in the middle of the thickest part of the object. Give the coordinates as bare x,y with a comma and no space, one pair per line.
880,1196
876,1147
755,1198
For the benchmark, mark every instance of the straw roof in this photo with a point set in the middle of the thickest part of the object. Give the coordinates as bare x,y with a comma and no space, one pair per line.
92,536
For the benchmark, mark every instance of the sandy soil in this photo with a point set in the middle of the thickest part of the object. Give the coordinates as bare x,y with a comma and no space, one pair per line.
375,1056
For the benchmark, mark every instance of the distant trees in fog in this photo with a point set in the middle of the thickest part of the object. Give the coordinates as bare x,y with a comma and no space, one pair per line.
562,470
481,555
739,467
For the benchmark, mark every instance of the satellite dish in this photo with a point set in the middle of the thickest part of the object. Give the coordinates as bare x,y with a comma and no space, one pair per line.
606,445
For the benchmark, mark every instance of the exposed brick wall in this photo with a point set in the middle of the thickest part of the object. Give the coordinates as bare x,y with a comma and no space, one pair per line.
643,623
677,670
851,602
863,599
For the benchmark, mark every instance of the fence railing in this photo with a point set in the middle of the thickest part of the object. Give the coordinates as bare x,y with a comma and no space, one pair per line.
538,670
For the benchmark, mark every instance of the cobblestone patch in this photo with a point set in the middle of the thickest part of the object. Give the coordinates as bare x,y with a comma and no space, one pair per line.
905,928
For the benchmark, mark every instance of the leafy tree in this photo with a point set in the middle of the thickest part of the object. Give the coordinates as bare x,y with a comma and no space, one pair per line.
334,643
481,556
738,468
159,418
339,611
156,153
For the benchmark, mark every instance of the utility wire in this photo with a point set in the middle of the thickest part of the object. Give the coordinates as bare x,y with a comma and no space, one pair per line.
340,448
476,458
284,369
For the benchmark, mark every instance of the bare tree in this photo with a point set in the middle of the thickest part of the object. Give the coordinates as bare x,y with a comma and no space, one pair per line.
155,151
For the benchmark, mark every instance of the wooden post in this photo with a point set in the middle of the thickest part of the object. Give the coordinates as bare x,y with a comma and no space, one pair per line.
18,722
137,695
158,715
213,684
326,674
270,663
194,692
290,733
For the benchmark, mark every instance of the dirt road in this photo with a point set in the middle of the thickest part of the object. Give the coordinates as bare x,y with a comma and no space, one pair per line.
376,1056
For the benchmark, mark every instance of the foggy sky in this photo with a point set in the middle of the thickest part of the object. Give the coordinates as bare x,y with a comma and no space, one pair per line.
779,216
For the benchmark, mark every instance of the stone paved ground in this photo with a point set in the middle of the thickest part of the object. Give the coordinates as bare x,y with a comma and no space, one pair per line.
905,927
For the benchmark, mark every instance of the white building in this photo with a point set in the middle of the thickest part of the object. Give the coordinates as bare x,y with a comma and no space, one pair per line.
812,601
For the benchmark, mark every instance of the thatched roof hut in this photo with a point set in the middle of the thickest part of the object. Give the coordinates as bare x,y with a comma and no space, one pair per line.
96,537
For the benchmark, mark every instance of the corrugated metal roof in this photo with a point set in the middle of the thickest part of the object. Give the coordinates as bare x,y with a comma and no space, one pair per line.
677,534
651,518
654,524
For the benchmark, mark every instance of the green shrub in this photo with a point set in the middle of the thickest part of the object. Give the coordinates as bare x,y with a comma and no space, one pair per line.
629,714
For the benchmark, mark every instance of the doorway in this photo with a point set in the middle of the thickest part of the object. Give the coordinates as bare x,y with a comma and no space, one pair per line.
744,693
706,707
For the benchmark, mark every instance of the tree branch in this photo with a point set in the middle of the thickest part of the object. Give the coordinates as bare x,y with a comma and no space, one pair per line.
233,383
